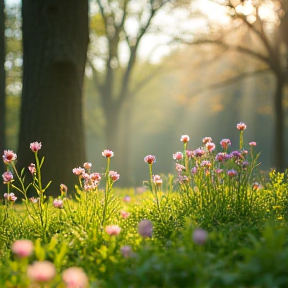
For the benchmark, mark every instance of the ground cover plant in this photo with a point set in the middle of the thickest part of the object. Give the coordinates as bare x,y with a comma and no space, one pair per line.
218,222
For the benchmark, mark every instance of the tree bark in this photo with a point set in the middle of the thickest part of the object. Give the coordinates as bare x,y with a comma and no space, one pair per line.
55,40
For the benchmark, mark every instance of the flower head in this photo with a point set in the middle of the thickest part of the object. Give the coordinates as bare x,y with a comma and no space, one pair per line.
9,156
157,180
185,138
194,170
107,153
206,140
210,146
225,143
58,203
34,200
145,228
126,199
178,156
75,277
206,164
78,171
7,177
87,166
10,197
252,144
241,126
124,214
32,168
35,146
150,159
199,236
41,271
114,175
179,167
256,186
22,248
189,153
113,230
221,157
198,152
232,173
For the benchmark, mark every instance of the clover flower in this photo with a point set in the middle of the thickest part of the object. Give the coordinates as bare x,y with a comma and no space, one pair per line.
75,277
41,271
199,236
145,228
108,153
206,140
9,156
113,230
35,146
150,159
178,156
184,138
7,177
241,126
225,143
22,248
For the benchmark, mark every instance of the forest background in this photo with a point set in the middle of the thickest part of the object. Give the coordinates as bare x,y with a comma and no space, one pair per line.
200,68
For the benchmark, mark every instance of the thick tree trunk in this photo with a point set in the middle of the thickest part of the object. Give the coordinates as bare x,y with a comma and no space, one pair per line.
2,86
55,39
279,125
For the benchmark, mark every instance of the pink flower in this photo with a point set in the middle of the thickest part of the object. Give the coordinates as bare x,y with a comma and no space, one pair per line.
225,143
95,176
183,179
232,173
145,228
7,177
199,236
124,214
34,200
178,156
63,188
210,146
114,175
41,271
189,153
198,152
241,126
113,230
256,186
150,159
126,199
78,171
221,157
206,140
157,180
22,248
185,138
35,146
126,251
9,156
32,168
108,153
180,167
206,164
194,170
252,144
75,277
10,197
87,165
219,171
58,203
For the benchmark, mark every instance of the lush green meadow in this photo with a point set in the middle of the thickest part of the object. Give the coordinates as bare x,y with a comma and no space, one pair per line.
217,222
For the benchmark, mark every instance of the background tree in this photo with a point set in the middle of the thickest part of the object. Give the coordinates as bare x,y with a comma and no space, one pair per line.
55,39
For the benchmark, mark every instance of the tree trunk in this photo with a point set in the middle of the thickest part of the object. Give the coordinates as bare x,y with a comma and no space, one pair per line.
2,86
55,40
279,125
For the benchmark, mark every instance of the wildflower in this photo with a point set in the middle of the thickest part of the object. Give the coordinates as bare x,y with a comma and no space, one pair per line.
126,199
222,156
210,146
150,159
179,167
126,251
225,143
256,186
157,180
32,168
219,171
232,173
41,271
63,189
236,155
189,153
194,170
95,176
198,152
124,214
185,138
252,144
108,153
206,140
22,248
114,175
113,230
75,277
183,179
7,177
145,228
58,203
34,200
87,165
9,156
241,126
35,146
178,156
78,171
206,164
10,197
200,236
